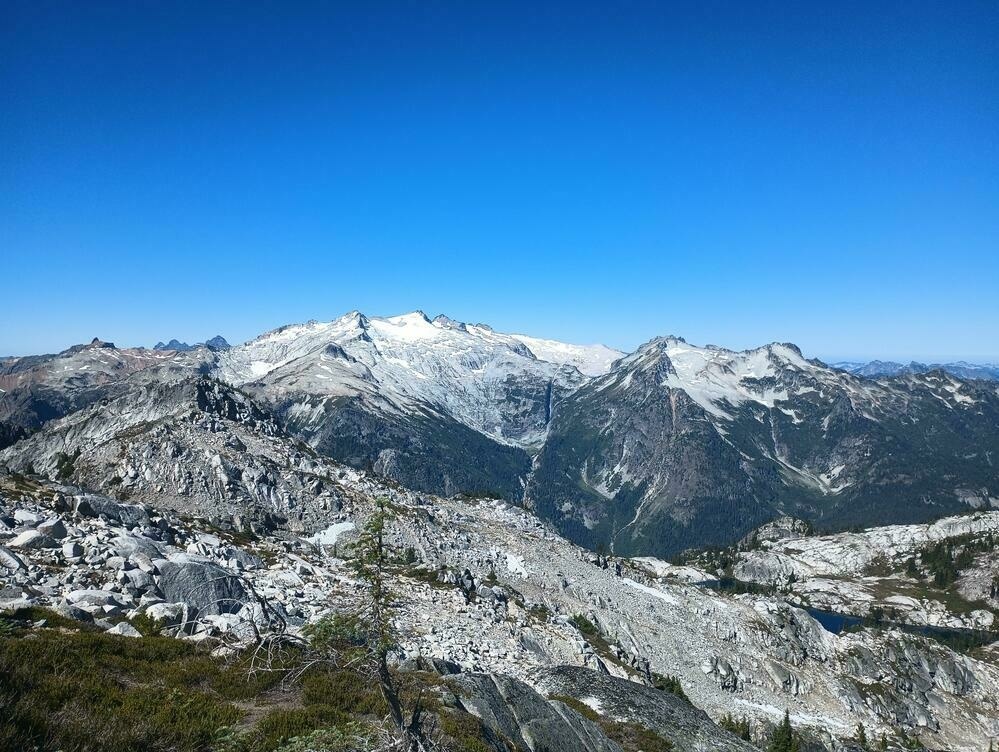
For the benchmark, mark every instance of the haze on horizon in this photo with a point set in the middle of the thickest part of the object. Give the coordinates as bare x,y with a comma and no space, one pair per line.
730,174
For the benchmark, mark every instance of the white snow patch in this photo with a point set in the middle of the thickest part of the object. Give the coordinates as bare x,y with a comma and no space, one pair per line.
592,360
329,536
260,368
515,564
655,592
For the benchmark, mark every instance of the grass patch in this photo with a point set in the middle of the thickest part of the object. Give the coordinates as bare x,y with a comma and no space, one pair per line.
92,691
466,732
69,687
24,618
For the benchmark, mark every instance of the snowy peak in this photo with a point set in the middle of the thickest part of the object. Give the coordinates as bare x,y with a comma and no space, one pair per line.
409,330
498,384
445,322
718,379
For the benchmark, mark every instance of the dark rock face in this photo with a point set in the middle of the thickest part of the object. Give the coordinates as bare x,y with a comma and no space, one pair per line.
665,714
681,484
517,713
205,587
11,433
426,452
93,505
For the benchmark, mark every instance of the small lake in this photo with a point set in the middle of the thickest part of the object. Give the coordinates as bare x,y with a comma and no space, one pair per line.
835,622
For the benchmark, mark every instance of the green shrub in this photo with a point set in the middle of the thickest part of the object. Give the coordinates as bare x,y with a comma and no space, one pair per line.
346,691
349,738
670,684
281,725
466,732
93,691
65,464
737,726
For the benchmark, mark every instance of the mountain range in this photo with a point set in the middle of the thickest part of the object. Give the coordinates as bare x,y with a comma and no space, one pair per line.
217,342
961,368
651,452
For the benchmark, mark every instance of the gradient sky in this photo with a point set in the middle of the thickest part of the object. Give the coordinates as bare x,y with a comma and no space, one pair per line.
731,172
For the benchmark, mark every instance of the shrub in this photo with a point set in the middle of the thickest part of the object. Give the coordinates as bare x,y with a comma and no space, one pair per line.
94,691
345,691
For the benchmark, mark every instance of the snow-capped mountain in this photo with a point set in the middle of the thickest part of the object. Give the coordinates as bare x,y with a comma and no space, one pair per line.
680,443
590,360
670,446
490,382
438,404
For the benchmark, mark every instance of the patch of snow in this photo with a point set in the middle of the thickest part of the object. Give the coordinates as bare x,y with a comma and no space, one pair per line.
330,535
515,564
260,368
591,360
655,592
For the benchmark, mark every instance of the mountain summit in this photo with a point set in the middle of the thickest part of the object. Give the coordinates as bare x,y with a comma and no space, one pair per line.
670,446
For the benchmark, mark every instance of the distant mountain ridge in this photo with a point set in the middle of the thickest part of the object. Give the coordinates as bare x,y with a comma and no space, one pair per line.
962,369
671,446
217,342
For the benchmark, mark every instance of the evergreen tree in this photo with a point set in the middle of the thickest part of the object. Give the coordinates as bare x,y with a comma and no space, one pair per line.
862,736
738,726
784,739
372,556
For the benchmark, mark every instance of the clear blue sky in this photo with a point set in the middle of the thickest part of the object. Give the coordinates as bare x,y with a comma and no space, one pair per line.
736,173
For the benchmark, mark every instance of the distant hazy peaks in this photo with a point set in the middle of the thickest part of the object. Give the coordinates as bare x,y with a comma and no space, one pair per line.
173,345
961,369
218,342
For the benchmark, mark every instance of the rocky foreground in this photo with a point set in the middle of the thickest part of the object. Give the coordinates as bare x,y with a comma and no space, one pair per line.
522,614
184,504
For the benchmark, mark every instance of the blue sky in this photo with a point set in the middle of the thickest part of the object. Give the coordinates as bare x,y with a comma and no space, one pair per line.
734,173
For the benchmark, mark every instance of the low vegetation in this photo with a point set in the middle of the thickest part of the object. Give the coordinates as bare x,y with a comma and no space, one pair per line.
66,687
92,691
737,726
